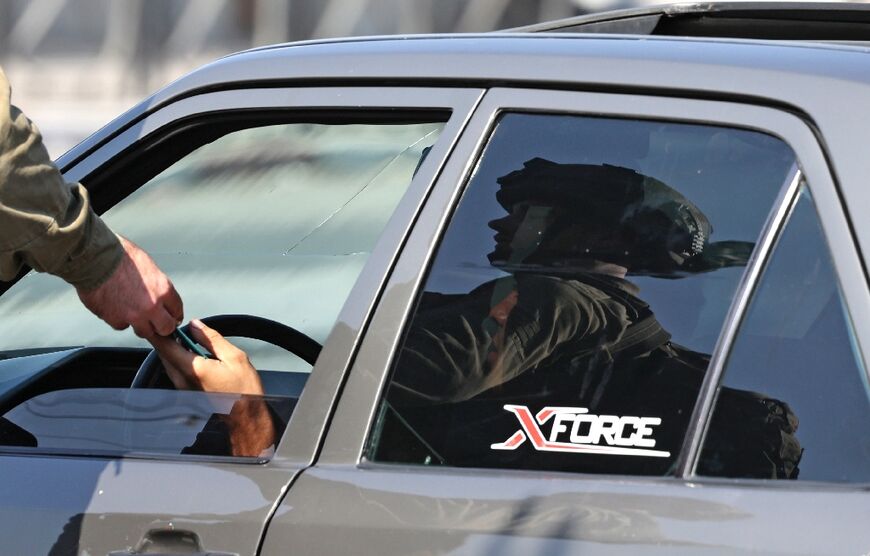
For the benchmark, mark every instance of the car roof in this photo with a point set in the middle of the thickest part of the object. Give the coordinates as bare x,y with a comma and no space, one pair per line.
812,21
796,76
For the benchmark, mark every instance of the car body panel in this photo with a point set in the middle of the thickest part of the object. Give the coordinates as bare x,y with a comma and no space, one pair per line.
62,505
396,509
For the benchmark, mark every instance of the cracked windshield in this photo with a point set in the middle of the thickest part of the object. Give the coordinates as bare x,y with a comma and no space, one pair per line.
274,221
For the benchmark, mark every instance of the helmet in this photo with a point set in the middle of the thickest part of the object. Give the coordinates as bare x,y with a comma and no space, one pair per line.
607,213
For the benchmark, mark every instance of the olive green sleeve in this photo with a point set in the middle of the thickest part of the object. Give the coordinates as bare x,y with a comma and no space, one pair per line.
46,223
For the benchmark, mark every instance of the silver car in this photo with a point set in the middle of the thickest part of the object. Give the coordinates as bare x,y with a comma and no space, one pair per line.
534,292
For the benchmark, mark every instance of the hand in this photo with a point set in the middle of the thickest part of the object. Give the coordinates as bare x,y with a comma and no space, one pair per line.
137,294
230,371
251,428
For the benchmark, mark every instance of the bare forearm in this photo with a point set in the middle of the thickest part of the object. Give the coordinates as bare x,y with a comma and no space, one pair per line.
252,431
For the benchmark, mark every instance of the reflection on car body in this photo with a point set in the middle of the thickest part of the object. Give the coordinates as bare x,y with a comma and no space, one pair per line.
574,293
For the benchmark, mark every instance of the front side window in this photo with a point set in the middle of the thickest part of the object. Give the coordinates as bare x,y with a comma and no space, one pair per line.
567,320
274,221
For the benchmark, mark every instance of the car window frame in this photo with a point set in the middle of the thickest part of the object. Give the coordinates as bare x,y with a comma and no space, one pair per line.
314,406
354,419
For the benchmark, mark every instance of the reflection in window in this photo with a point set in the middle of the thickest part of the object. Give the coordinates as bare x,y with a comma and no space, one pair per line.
122,421
582,282
794,374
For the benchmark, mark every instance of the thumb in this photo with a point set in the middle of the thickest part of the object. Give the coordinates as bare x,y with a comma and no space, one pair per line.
212,340
172,353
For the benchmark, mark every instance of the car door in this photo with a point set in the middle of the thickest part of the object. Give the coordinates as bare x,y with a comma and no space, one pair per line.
442,443
289,203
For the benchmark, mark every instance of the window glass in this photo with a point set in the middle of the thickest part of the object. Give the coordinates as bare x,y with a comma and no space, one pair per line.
115,421
795,401
275,221
567,321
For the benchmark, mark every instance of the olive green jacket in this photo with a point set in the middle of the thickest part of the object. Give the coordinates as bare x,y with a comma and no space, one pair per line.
46,223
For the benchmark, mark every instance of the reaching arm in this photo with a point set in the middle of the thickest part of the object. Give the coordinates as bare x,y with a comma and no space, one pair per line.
48,224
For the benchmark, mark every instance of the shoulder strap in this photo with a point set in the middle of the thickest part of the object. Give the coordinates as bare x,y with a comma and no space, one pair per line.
644,334
640,337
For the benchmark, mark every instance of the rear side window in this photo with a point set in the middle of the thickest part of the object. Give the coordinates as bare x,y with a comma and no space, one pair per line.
568,318
794,374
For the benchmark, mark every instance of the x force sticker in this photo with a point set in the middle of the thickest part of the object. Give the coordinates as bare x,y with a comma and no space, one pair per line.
575,430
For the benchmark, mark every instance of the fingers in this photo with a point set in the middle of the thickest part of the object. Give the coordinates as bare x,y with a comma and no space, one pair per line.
115,322
162,322
177,362
180,379
173,304
157,323
173,354
166,348
231,371
143,330
214,342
